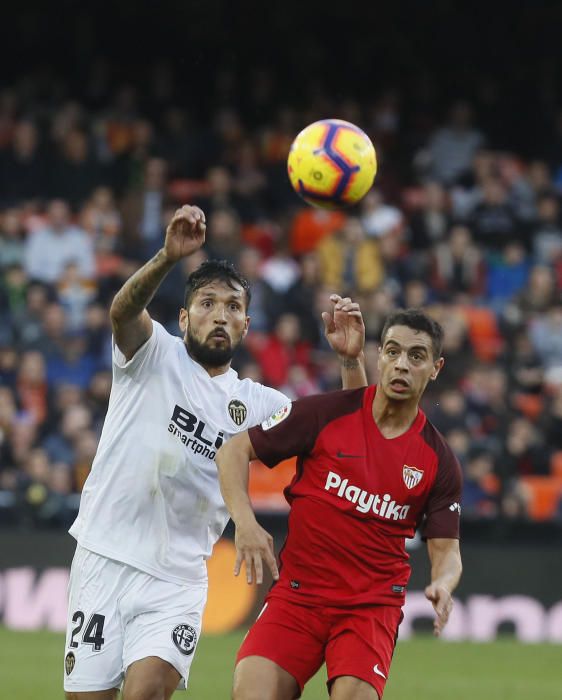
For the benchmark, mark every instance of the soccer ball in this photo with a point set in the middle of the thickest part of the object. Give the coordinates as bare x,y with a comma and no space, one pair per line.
332,164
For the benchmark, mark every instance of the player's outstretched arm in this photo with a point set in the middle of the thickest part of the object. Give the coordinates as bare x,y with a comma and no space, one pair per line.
345,331
446,569
253,544
130,321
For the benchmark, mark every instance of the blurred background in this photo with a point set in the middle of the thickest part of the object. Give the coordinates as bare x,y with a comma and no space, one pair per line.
113,115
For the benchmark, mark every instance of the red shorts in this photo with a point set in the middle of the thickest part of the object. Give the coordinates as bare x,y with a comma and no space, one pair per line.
355,642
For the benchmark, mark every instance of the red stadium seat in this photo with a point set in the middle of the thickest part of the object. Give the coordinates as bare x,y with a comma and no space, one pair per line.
483,333
556,465
266,485
530,405
544,496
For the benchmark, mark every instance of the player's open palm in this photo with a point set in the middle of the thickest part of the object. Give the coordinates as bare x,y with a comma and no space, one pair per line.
344,327
185,233
254,546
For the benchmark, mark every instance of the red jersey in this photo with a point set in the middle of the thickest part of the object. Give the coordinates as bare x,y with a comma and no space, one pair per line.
356,496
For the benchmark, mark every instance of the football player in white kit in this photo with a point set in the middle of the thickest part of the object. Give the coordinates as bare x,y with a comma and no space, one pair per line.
151,508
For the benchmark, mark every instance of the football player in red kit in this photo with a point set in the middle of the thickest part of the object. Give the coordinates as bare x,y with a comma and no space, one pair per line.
371,469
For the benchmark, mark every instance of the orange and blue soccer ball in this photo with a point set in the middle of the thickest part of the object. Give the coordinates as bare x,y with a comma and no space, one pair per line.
332,164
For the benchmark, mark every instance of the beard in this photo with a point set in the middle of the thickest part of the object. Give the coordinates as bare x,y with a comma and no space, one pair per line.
206,355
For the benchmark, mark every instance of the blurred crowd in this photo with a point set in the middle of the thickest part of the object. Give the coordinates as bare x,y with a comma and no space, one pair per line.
455,225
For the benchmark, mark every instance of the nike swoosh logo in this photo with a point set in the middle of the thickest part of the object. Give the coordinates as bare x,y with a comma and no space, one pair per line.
342,455
377,670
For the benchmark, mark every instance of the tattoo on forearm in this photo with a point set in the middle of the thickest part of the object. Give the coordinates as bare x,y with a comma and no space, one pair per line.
138,290
349,363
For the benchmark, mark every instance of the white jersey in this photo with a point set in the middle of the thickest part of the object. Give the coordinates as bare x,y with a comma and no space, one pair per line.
152,499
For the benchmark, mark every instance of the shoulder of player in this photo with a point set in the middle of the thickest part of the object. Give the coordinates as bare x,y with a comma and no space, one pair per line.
435,440
161,334
255,390
332,404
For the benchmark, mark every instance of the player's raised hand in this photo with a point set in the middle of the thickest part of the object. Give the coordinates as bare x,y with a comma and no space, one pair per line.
442,604
254,545
185,233
343,327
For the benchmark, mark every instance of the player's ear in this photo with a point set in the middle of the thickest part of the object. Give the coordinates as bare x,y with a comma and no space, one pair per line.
183,320
246,327
437,367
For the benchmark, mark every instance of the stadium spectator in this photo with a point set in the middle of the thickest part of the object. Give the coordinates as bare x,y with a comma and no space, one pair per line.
13,290
61,446
481,485
281,350
547,230
75,294
225,241
50,249
457,266
507,274
301,297
349,260
12,244
310,226
32,386
142,210
279,268
452,147
493,220
546,335
378,218
100,218
266,303
524,452
74,173
23,168
431,223
525,370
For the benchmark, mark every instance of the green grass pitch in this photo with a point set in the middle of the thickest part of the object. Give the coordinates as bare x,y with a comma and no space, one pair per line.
424,669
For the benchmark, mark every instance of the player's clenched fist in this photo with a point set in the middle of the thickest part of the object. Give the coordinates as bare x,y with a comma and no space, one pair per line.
185,233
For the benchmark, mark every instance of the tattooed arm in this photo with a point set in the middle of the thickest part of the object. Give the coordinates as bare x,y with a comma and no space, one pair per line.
130,321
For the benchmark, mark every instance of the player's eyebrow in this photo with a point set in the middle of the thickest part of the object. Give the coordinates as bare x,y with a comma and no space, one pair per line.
418,348
235,295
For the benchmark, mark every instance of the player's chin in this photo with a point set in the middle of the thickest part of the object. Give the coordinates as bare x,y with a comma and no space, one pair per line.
219,342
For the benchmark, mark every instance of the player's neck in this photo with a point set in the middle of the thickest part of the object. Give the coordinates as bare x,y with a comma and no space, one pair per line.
212,370
393,418
215,371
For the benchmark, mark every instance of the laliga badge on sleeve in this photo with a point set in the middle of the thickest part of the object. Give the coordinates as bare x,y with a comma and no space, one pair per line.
277,417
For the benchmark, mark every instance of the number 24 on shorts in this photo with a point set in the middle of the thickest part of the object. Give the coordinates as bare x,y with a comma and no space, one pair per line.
93,633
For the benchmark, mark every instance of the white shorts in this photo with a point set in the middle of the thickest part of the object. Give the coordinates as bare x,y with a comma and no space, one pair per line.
118,615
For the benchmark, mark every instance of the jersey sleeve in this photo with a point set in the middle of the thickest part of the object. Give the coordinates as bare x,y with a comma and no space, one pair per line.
147,357
287,432
292,430
270,401
443,508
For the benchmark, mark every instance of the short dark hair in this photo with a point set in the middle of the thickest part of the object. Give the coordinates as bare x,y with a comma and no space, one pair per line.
417,320
212,270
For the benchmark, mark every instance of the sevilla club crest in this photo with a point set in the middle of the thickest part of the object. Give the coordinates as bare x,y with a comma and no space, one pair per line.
412,476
